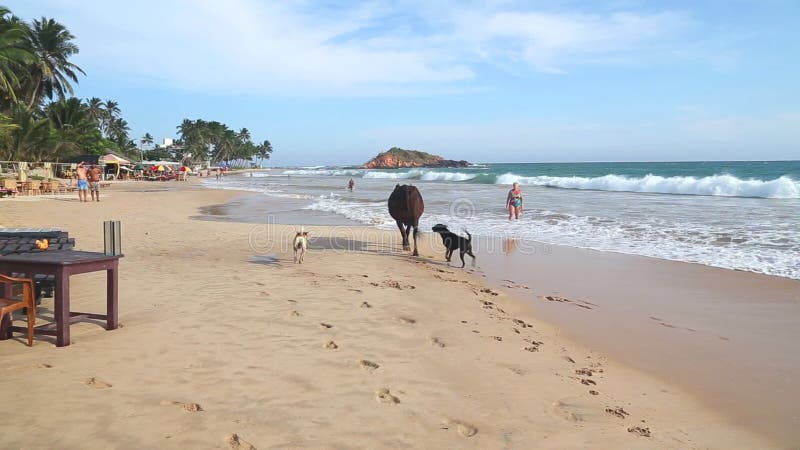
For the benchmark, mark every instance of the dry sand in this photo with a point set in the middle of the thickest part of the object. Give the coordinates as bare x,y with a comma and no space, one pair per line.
227,344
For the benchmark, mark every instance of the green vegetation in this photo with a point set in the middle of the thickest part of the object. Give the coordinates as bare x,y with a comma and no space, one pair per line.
202,140
41,120
414,156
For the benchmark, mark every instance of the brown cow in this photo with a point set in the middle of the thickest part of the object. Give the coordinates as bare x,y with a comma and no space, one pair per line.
405,207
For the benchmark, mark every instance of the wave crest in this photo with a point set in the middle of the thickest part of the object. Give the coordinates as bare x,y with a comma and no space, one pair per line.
715,185
420,174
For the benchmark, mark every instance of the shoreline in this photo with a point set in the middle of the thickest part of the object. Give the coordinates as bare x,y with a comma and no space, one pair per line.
176,275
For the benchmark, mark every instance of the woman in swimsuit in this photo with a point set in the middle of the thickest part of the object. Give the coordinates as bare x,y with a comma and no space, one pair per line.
514,202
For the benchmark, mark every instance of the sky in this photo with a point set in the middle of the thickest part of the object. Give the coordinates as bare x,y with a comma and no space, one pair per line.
336,82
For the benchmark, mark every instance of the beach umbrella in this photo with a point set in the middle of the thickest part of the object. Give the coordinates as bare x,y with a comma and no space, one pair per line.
160,168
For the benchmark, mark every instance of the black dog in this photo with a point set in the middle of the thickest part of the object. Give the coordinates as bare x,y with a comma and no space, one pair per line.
453,242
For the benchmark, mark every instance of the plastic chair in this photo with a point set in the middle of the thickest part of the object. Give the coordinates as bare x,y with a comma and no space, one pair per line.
7,305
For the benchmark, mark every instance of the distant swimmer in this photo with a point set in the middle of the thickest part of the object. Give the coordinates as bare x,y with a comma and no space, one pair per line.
514,201
351,184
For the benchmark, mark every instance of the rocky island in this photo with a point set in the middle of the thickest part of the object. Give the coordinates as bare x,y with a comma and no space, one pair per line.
400,158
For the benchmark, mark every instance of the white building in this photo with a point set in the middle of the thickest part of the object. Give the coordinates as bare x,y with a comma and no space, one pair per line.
168,142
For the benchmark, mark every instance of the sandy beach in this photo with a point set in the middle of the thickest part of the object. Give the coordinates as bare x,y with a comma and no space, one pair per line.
362,346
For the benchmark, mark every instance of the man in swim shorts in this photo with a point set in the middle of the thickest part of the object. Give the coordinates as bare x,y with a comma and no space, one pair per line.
95,174
83,183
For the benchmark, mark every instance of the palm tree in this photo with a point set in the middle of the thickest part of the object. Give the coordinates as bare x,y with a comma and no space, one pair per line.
112,109
264,150
13,55
31,139
96,109
51,72
244,135
111,112
146,140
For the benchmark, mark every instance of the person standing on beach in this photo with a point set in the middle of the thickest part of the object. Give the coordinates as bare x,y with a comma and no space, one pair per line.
95,174
351,184
83,184
514,201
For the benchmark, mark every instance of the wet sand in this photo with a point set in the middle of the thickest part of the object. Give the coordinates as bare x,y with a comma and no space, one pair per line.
728,337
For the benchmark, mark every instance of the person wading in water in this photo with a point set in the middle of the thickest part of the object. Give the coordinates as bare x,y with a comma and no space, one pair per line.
514,202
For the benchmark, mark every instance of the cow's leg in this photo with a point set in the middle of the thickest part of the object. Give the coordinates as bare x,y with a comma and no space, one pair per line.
416,230
404,234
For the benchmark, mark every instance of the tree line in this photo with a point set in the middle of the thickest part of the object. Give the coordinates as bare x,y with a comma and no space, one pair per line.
202,140
42,120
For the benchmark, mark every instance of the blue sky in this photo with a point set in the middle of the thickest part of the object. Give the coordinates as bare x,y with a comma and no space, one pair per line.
330,82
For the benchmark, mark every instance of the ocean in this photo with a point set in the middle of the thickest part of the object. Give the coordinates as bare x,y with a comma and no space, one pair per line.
736,215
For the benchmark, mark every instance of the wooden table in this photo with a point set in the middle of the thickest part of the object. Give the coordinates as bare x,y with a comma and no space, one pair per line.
62,264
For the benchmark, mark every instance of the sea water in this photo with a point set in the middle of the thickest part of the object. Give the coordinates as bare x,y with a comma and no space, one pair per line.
737,215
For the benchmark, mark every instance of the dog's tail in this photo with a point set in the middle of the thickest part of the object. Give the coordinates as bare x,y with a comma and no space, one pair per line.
469,236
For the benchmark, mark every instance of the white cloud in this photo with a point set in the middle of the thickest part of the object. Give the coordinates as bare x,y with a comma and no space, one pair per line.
364,48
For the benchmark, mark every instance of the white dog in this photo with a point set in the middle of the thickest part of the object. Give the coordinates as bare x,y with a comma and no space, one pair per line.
300,245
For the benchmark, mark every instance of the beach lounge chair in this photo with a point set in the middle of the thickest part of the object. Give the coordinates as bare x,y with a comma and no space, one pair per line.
7,305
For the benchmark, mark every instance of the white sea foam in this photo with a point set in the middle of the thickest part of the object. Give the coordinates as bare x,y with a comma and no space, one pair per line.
323,172
373,213
716,185
741,249
420,174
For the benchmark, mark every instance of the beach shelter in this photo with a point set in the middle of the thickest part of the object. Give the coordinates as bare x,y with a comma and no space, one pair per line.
112,159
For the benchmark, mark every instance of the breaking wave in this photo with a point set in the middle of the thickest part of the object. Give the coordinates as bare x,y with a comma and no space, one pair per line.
715,185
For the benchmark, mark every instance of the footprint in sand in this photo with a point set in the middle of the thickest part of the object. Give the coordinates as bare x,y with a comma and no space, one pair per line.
568,359
325,325
534,347
294,314
94,383
406,320
365,305
588,382
436,342
384,396
368,365
236,443
640,431
577,409
584,371
522,323
497,338
593,392
463,428
331,345
188,407
618,411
